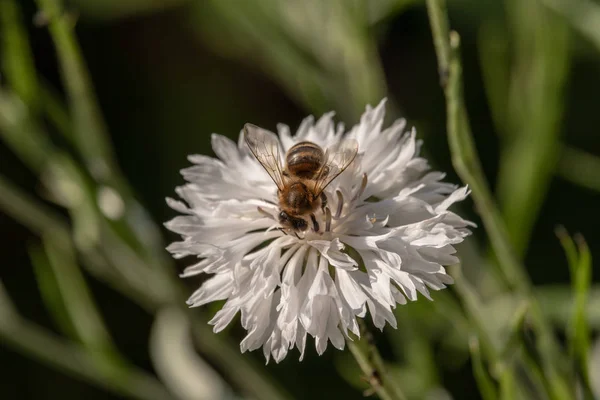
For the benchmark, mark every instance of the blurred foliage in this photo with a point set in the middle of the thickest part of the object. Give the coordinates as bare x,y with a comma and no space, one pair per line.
100,102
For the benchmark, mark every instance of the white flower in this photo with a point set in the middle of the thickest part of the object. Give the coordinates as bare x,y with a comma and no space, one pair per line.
388,240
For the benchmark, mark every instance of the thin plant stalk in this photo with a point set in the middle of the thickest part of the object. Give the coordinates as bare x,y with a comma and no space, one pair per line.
467,164
370,362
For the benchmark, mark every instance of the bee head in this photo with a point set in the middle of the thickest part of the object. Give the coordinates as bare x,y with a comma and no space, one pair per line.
287,221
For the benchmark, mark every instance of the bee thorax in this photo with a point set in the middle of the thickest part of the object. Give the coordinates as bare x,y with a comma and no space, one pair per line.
297,198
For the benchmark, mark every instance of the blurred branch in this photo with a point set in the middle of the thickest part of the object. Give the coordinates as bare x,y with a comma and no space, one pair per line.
580,167
370,362
52,351
467,164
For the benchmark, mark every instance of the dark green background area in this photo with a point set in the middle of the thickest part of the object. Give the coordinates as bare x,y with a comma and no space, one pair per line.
163,91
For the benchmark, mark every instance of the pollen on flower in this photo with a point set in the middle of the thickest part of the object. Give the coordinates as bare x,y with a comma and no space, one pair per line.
373,230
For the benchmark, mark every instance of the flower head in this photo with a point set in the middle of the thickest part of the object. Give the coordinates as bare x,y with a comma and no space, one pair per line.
384,237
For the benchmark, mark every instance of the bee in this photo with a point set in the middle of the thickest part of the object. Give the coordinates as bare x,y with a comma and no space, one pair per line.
301,182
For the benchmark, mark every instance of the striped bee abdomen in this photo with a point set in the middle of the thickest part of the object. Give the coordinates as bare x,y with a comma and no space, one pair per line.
304,159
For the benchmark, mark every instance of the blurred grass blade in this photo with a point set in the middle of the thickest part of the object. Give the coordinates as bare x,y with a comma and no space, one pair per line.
50,291
89,133
48,349
508,387
53,107
417,374
33,215
17,60
494,57
582,15
516,342
89,129
486,385
8,312
580,167
513,338
541,61
557,304
324,45
578,332
176,362
68,186
79,304
22,133
468,166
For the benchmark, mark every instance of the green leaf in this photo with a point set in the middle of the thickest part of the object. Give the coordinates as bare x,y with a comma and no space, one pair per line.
578,332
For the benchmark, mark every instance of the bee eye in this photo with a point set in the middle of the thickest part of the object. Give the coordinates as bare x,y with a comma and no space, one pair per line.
302,225
283,216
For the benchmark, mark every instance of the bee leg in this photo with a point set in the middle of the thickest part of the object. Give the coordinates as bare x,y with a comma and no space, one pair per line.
323,201
283,231
315,223
340,205
363,185
327,219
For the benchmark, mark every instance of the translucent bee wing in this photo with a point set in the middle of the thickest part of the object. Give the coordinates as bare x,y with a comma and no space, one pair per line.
264,145
336,161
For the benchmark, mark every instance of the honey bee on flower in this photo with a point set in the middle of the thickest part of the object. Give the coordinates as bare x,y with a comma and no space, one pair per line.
305,233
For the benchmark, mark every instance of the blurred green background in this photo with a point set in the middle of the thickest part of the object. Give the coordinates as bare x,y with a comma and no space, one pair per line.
168,73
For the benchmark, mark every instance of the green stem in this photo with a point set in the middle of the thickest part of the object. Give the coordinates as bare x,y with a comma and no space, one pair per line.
467,164
370,362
